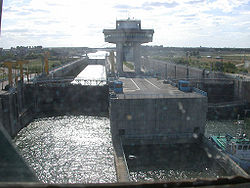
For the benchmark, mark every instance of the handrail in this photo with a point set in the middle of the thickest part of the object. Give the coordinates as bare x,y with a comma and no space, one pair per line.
238,102
199,91
152,136
152,95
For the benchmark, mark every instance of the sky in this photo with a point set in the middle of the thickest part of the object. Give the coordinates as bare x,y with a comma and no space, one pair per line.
78,23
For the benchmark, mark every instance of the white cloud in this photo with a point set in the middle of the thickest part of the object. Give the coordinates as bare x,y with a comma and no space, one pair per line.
80,22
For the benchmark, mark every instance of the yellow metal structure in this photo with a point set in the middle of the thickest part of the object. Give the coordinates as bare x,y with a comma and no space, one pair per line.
20,63
9,65
46,63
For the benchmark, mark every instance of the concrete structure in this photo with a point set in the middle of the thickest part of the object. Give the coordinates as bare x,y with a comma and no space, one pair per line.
16,109
152,112
227,93
13,168
148,112
128,36
19,106
91,75
168,69
69,69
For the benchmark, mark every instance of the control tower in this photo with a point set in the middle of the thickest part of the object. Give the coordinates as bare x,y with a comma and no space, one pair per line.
128,37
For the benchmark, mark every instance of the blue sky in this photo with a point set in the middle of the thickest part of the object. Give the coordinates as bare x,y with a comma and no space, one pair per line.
182,23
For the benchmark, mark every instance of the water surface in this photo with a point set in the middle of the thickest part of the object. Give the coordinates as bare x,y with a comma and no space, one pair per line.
69,149
168,163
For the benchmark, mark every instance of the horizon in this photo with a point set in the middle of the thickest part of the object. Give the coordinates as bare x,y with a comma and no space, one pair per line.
141,45
185,24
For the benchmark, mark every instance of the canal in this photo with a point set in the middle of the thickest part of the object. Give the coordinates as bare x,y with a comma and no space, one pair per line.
78,149
69,149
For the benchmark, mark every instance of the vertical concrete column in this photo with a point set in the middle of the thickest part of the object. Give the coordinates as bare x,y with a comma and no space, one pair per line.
166,71
137,58
236,89
119,58
12,114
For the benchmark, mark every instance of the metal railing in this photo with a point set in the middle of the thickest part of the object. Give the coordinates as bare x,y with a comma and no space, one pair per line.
206,80
153,136
155,95
89,82
231,103
199,91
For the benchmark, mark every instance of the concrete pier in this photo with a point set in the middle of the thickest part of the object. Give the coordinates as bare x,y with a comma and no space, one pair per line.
152,112
121,166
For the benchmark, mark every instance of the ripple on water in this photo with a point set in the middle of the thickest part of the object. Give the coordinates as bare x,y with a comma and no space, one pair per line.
69,149
175,162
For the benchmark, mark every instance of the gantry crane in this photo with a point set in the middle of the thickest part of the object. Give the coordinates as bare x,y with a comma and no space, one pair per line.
9,65
46,63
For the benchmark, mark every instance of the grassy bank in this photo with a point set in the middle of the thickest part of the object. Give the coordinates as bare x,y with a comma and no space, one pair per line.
129,65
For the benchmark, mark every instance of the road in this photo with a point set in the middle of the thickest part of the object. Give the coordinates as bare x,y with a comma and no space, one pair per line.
151,87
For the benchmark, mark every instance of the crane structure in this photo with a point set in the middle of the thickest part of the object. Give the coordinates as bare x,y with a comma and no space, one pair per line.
46,62
18,64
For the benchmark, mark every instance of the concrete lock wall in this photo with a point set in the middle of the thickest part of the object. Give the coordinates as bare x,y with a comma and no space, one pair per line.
169,118
245,91
219,92
172,70
70,69
17,109
15,113
54,99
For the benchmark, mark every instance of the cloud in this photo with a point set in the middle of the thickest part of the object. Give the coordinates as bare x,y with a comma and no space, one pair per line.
36,10
160,4
80,23
9,9
195,2
187,15
147,5
16,30
121,6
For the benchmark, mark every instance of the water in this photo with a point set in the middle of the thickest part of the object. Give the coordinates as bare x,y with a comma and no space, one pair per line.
225,127
178,162
175,162
69,149
78,149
